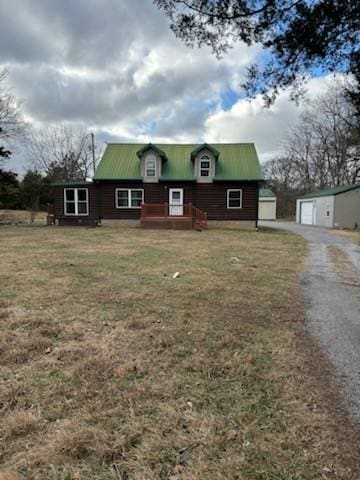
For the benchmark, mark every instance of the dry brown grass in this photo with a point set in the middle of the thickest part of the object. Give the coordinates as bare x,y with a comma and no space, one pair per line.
19,422
22,217
111,369
8,475
353,234
343,266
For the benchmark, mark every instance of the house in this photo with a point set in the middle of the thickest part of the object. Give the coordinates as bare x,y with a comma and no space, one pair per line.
179,186
267,204
332,208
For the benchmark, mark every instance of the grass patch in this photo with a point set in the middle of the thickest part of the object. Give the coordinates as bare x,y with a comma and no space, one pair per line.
114,370
353,234
25,217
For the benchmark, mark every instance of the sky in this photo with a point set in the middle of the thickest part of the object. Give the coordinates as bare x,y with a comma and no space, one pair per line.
115,68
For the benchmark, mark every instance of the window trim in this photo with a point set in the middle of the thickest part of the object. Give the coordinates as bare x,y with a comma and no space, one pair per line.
205,158
76,202
128,190
147,159
229,190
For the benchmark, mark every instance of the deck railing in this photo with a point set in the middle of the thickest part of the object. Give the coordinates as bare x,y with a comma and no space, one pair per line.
168,210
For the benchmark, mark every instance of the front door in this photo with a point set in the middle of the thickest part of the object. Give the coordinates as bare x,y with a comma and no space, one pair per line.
176,205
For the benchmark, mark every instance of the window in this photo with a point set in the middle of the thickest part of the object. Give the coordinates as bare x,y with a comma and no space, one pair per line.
234,198
150,166
129,198
204,166
76,201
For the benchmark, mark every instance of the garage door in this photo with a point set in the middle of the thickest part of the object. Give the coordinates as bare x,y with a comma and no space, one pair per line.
307,213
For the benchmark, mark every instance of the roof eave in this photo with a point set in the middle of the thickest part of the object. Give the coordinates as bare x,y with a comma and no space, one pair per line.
71,184
232,179
129,179
177,179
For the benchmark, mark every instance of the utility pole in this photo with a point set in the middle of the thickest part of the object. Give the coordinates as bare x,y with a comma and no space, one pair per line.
93,150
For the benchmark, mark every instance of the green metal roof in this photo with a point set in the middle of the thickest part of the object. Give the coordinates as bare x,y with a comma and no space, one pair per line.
266,192
199,148
332,191
150,146
237,161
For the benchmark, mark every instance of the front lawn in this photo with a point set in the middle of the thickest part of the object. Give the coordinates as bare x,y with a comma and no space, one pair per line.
112,369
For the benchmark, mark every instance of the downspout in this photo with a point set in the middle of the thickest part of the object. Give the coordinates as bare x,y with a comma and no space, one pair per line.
99,204
257,205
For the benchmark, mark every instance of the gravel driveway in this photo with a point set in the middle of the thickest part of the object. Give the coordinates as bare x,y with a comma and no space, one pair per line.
331,291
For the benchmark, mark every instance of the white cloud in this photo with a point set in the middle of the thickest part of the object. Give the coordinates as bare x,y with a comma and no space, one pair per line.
250,121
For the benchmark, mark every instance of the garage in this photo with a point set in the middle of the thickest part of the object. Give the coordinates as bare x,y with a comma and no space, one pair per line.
267,204
334,207
307,213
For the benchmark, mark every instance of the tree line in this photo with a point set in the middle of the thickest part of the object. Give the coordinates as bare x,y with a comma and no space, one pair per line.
33,192
321,150
56,153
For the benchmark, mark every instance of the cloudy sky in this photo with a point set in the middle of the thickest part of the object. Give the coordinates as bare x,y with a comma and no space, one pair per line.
115,67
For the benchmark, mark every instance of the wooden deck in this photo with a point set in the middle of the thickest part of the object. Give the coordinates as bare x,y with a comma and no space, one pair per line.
178,217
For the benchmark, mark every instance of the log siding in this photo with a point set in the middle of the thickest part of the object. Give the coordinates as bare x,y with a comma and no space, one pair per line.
210,197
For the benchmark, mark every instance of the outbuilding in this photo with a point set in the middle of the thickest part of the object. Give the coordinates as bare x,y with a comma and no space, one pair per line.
267,204
337,207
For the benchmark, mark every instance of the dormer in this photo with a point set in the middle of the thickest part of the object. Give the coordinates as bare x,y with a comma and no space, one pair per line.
151,162
204,158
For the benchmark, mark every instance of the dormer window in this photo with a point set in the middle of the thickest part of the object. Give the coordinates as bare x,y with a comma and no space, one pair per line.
150,166
204,166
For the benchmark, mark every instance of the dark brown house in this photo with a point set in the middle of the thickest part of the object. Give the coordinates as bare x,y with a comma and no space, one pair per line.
167,185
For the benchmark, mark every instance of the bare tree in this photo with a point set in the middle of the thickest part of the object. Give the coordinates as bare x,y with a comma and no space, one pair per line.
322,150
12,125
282,178
61,152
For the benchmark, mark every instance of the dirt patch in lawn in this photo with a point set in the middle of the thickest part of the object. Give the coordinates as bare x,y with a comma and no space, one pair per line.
112,369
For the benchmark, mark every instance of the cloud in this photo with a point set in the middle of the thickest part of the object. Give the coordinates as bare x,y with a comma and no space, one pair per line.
116,68
250,121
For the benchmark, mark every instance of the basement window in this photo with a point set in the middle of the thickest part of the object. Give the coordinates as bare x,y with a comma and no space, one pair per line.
129,198
76,201
234,198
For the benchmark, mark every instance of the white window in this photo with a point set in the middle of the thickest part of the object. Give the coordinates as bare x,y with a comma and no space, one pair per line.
129,198
150,166
234,198
76,201
204,166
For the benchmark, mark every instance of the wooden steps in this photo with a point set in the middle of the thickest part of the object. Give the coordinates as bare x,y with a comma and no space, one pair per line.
159,216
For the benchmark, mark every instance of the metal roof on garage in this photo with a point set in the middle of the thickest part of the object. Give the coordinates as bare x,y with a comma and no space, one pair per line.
266,192
331,191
